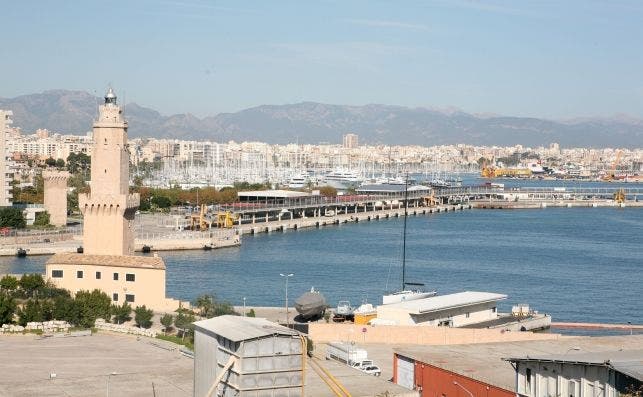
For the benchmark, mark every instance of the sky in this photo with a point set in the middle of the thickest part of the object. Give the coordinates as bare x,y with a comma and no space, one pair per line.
554,59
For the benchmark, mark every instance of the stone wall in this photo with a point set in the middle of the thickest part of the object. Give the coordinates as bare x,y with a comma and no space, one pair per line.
47,327
123,328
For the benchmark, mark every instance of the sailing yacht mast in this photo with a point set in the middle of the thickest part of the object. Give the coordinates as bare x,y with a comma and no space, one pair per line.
406,213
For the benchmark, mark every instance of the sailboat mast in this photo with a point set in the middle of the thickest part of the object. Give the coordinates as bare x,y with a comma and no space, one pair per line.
406,208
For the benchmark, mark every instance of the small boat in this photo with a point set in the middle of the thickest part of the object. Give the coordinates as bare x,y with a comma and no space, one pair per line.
344,308
21,253
311,304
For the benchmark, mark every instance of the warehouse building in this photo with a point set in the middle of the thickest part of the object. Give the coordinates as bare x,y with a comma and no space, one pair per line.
453,310
482,370
605,374
244,356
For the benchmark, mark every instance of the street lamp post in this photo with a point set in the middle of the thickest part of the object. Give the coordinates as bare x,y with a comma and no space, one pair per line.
244,306
287,276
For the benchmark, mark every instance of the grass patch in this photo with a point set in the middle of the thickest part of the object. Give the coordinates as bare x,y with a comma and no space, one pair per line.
175,339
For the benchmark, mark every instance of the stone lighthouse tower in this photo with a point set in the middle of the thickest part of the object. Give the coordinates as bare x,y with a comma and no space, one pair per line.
109,209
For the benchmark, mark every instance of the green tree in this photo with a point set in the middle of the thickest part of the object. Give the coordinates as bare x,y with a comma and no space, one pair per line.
31,311
42,219
328,191
60,163
166,321
7,308
251,313
143,317
205,304
12,217
121,313
90,306
161,202
51,162
31,284
78,163
50,291
8,283
184,323
209,307
65,308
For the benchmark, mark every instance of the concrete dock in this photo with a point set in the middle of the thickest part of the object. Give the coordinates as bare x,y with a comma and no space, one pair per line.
320,221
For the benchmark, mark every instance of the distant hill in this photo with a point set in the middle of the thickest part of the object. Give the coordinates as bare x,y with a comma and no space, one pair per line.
309,122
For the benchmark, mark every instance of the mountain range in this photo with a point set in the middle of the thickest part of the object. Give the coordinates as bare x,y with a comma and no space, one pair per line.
72,112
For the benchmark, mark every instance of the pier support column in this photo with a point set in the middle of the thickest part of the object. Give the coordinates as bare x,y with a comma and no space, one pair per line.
253,219
267,217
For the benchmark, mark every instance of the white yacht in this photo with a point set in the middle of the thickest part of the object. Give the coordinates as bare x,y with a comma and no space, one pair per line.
297,182
342,179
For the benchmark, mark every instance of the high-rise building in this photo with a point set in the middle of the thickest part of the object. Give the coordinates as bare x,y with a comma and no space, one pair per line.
351,141
5,174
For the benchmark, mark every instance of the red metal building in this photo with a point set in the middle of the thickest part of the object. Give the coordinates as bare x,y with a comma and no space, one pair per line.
452,371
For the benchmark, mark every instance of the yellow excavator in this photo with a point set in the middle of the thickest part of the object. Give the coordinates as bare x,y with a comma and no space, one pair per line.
226,219
619,196
431,201
200,219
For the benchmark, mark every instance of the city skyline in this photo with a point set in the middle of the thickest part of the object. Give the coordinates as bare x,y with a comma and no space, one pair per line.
554,61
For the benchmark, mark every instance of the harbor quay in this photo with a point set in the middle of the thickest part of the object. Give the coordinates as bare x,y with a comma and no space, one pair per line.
47,244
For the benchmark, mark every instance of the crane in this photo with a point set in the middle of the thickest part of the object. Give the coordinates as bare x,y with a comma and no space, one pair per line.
611,175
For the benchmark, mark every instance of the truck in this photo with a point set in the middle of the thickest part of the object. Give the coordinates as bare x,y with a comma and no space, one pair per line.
352,356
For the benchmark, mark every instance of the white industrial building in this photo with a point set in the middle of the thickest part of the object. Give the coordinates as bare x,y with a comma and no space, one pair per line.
591,374
244,356
453,310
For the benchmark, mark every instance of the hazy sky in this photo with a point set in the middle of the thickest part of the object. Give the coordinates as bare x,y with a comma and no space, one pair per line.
556,59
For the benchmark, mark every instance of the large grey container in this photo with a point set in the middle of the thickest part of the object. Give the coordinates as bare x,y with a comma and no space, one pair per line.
269,358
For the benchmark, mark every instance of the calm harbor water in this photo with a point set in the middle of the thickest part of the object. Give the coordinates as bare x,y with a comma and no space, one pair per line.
578,264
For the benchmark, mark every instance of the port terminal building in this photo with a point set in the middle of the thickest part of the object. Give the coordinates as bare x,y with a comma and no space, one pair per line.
452,310
572,366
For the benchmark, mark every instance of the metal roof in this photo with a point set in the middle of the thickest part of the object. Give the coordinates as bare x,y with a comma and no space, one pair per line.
628,362
392,188
273,194
238,329
486,361
443,302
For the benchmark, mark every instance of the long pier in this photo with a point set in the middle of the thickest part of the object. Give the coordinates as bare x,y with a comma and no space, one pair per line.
333,220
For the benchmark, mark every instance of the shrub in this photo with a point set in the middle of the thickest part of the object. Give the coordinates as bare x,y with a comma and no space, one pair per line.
143,317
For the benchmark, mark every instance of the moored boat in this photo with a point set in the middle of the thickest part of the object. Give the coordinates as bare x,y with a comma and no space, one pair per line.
311,304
